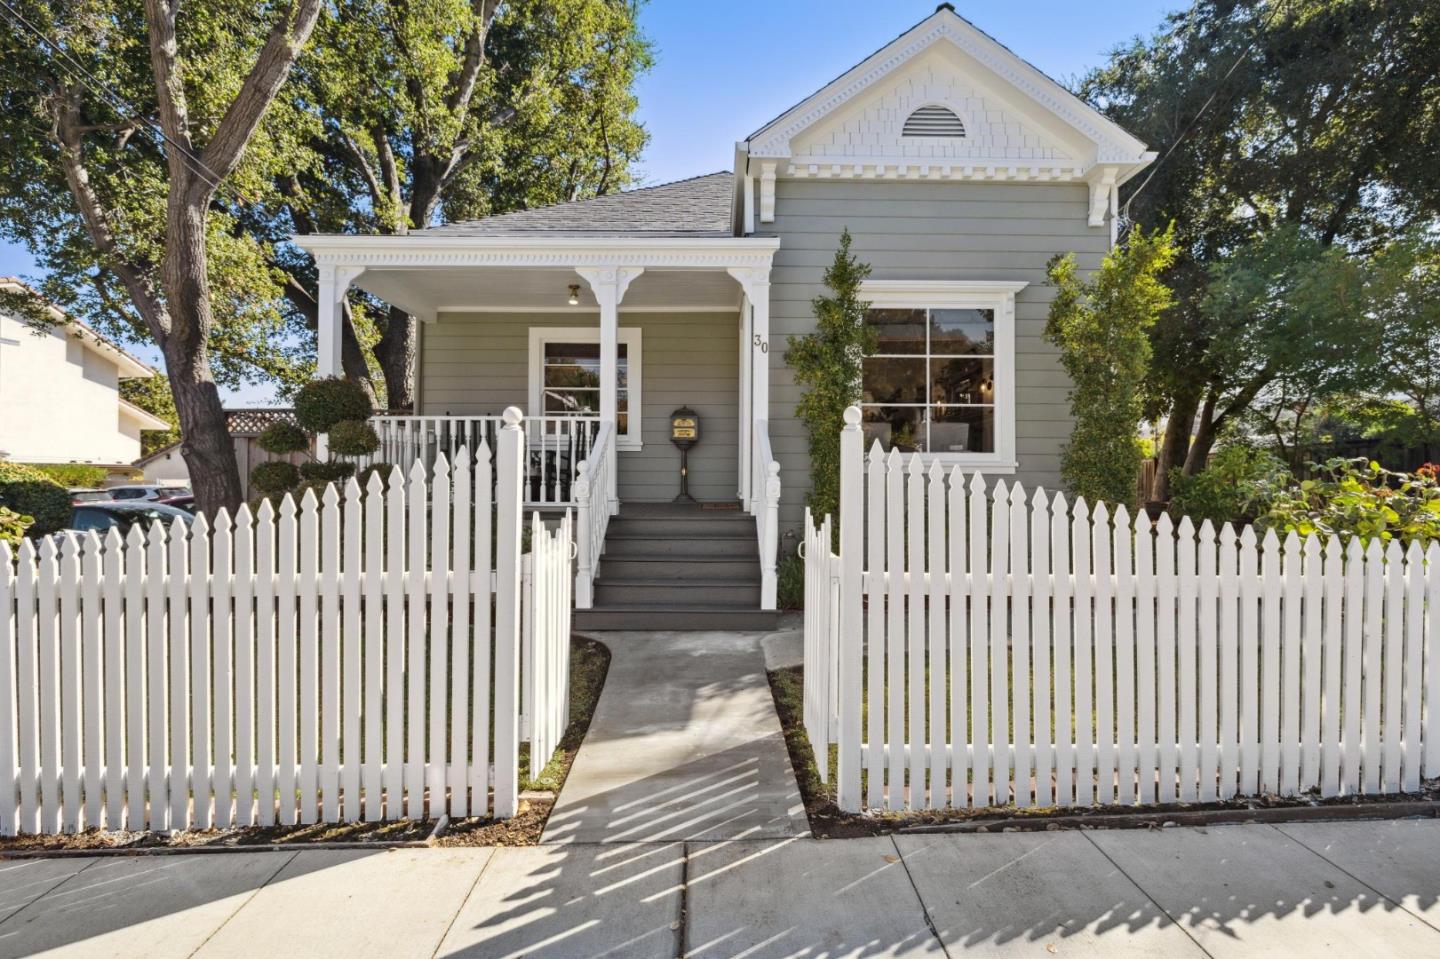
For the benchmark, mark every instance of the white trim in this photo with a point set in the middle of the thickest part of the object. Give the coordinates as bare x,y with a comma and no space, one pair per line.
997,295
630,336
540,250
584,310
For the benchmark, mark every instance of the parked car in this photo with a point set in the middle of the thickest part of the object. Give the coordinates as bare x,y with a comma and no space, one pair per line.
103,517
146,492
186,502
88,494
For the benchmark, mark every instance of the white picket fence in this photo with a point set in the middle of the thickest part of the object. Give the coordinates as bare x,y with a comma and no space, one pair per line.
968,647
354,658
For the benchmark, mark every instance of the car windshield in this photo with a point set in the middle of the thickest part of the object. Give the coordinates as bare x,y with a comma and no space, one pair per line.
88,496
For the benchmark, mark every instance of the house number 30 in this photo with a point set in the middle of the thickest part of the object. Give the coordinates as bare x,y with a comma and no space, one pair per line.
762,344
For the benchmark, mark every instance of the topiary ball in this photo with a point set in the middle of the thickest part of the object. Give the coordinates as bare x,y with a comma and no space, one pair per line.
321,404
381,470
275,477
353,438
283,436
30,492
322,472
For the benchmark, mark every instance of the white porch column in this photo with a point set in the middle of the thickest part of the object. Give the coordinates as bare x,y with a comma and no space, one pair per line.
609,285
334,284
755,281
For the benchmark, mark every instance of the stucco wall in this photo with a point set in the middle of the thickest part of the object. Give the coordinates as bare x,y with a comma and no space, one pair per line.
930,231
476,363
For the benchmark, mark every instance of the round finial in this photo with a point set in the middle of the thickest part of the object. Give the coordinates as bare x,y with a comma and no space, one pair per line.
852,416
512,416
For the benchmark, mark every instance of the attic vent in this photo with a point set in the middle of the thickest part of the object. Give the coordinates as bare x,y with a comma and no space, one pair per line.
933,121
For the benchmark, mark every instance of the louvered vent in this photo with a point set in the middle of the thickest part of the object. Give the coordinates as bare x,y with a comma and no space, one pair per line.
933,121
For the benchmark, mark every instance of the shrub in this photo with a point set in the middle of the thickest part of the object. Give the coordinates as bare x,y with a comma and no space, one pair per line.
73,474
1237,486
13,525
353,438
382,470
321,404
275,477
316,472
1353,497
282,437
790,583
30,492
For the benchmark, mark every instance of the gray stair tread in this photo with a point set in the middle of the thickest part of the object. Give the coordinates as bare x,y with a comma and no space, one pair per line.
682,583
659,534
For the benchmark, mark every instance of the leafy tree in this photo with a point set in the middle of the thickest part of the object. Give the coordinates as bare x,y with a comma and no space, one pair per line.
152,395
134,139
1310,116
1101,325
828,367
1403,299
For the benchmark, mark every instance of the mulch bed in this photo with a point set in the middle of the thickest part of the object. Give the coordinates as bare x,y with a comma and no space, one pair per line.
589,662
827,821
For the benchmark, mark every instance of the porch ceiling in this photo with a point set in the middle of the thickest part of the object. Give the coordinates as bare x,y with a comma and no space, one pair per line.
533,289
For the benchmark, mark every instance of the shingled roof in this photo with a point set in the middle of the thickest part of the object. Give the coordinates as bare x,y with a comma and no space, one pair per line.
699,206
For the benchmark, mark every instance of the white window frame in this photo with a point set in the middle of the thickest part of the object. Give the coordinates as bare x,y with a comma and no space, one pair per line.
996,295
540,336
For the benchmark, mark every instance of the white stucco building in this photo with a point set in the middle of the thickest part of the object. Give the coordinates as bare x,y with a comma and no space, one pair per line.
60,394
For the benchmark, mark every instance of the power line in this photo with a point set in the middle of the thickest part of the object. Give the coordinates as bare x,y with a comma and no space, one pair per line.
1155,167
115,101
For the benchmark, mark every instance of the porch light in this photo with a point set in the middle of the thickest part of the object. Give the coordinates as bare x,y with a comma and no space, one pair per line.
574,294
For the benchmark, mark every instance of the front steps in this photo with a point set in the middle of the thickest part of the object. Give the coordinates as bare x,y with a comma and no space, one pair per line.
671,566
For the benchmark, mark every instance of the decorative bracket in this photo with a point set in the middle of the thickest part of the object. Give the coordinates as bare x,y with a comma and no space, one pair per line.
767,192
1101,187
608,282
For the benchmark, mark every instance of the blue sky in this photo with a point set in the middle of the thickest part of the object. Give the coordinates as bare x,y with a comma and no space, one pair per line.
722,70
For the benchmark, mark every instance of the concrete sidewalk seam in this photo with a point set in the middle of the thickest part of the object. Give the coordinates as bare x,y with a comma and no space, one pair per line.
248,899
1146,893
682,937
1326,859
48,891
924,907
440,943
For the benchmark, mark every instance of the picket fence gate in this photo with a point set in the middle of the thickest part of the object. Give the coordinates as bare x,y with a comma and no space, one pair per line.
356,657
971,648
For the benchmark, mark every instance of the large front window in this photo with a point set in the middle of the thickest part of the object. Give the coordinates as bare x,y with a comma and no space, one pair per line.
941,379
565,376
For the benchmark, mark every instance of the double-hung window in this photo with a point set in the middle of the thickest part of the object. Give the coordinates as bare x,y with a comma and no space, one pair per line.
941,378
565,377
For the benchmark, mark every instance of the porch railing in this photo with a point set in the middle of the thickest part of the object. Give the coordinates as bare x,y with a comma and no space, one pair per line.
592,508
555,446
766,506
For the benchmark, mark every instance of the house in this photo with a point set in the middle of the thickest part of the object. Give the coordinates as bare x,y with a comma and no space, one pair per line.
958,168
166,465
60,393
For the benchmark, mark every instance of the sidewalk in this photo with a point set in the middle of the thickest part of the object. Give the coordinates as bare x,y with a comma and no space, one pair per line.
1357,889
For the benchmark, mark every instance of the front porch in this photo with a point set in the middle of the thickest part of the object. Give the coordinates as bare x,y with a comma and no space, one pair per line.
598,341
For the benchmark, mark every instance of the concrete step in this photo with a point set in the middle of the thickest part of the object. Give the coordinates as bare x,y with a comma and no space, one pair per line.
738,594
689,617
615,568
652,546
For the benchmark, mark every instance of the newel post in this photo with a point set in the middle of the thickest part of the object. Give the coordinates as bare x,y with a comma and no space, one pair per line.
771,546
852,536
585,549
510,455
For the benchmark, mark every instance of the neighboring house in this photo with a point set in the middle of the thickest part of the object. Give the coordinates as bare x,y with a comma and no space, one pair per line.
167,467
958,168
60,393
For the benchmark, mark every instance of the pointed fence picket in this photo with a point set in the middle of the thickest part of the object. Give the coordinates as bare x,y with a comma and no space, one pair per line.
288,665
1018,649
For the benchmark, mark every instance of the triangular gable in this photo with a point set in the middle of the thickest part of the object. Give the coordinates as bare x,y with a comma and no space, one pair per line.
1019,124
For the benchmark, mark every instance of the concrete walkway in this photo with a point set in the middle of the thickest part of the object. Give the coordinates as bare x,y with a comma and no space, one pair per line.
1353,889
685,745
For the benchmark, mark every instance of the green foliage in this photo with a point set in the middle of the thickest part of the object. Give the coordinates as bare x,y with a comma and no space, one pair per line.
1353,497
353,438
827,365
73,474
282,437
274,477
13,526
1237,486
30,492
321,472
322,403
152,394
1101,325
790,583
381,470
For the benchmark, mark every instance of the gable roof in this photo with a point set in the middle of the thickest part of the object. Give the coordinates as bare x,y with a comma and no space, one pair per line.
130,367
699,206
1113,143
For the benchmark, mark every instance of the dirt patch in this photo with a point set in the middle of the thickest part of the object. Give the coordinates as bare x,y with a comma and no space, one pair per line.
827,821
589,663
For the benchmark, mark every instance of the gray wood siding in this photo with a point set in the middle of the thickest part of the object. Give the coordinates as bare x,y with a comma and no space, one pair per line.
477,363
930,231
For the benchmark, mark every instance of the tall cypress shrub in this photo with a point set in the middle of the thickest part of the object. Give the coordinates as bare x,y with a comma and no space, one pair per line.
827,365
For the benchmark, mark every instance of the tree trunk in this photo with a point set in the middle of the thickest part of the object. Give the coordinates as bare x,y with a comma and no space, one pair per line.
1204,440
352,358
1175,444
396,353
